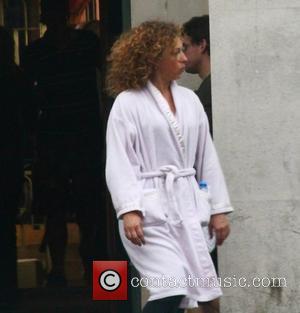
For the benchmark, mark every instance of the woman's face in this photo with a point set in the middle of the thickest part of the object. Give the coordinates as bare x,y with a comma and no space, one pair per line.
173,61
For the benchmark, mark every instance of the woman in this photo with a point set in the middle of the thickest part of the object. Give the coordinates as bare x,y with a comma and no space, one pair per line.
157,142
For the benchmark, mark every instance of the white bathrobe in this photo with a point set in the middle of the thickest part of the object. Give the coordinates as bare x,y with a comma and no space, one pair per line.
153,160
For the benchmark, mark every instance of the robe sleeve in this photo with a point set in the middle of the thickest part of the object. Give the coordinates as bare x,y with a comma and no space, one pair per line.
122,163
209,169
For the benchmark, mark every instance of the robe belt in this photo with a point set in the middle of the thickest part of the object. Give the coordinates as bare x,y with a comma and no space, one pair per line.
171,173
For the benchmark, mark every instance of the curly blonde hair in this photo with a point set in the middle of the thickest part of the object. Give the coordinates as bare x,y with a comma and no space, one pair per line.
132,57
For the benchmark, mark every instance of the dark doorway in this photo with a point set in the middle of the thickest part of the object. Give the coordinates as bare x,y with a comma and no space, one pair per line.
25,261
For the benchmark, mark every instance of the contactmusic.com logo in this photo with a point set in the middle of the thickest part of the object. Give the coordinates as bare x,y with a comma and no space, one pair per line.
110,280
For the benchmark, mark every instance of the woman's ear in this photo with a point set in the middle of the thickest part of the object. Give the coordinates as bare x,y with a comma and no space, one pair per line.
154,63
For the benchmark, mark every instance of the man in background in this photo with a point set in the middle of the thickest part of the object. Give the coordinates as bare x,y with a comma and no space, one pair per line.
197,49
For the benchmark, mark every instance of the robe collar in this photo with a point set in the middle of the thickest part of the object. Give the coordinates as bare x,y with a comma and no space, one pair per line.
172,120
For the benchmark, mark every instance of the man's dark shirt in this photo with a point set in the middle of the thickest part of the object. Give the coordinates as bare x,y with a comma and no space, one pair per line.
204,94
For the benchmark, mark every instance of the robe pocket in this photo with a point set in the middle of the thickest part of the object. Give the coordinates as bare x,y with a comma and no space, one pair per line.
152,203
203,206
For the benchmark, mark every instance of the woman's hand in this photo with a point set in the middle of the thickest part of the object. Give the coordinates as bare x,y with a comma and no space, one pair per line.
133,227
219,224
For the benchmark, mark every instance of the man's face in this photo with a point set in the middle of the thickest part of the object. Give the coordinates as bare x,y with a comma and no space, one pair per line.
193,53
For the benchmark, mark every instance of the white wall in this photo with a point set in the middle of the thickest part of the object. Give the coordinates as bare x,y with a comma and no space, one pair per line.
174,10
178,11
255,85
255,78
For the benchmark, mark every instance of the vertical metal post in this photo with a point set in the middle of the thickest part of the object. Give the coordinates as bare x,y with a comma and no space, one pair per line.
1,12
135,294
97,9
17,44
115,17
126,14
25,22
